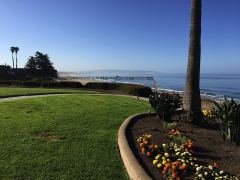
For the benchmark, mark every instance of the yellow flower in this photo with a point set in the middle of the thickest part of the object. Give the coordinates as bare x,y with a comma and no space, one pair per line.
155,162
166,155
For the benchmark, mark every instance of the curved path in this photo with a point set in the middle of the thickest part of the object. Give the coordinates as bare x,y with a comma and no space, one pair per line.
63,94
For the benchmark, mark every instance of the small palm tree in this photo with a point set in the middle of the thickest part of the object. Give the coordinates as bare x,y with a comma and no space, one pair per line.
16,51
192,98
12,49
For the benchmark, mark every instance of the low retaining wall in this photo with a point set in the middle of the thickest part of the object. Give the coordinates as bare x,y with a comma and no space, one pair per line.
131,163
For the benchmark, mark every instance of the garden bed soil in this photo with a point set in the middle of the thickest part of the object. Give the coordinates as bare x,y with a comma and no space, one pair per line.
208,143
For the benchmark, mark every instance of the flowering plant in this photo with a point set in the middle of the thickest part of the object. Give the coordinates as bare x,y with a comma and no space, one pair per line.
211,172
175,161
208,113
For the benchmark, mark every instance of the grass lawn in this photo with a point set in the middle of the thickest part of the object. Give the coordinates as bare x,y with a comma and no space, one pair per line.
17,91
63,137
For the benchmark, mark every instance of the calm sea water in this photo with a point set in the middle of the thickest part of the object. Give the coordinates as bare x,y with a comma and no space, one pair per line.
212,85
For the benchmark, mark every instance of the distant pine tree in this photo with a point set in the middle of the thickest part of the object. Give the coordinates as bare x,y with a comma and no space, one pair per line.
41,66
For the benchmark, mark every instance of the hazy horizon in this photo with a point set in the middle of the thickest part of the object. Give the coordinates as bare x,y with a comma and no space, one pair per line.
85,35
146,71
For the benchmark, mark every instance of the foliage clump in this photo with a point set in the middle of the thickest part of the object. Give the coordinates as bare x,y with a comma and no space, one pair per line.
41,66
227,115
165,104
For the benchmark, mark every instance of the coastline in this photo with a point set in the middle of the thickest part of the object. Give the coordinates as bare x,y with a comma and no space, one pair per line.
83,80
207,102
213,86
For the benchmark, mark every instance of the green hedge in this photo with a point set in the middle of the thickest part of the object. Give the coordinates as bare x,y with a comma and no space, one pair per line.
103,85
52,84
131,89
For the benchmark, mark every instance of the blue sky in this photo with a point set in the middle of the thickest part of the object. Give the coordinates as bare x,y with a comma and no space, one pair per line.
120,34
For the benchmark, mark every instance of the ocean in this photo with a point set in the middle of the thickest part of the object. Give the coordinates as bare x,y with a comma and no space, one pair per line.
215,86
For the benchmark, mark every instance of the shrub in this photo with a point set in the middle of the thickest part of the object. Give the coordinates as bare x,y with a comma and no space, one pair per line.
51,84
31,83
137,90
102,85
61,84
164,104
227,114
131,89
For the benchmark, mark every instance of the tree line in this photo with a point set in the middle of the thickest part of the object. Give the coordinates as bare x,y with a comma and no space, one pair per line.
37,66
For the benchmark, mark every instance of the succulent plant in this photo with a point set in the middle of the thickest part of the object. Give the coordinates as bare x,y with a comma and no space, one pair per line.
227,114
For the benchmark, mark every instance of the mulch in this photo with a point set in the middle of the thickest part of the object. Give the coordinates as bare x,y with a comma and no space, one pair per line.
208,142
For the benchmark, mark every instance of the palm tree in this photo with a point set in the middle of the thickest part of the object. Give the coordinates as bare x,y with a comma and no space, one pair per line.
16,51
191,98
12,49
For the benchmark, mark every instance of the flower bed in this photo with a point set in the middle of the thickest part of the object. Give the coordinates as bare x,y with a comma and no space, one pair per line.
185,152
176,160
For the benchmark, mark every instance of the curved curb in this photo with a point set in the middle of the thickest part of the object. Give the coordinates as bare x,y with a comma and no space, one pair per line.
132,165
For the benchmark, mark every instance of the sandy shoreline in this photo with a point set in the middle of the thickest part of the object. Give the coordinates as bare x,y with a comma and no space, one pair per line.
83,81
207,103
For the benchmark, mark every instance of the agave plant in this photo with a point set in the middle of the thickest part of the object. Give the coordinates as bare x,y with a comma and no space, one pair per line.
227,114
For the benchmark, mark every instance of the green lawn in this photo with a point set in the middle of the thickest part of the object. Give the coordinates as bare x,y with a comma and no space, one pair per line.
16,91
63,137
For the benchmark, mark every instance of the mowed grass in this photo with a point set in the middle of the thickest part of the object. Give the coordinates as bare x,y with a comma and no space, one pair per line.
63,137
16,91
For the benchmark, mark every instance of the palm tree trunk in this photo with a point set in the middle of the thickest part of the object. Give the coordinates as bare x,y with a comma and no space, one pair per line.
191,98
12,60
16,60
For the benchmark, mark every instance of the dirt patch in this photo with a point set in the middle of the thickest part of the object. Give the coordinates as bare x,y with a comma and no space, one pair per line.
210,147
47,136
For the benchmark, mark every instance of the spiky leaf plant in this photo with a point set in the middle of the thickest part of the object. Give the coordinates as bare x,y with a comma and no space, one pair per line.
227,114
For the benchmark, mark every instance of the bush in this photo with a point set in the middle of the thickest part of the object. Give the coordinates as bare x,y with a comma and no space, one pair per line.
136,90
227,114
62,84
6,83
31,83
102,85
50,84
165,104
131,89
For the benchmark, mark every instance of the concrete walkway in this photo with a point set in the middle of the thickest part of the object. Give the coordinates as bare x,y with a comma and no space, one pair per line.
29,97
49,95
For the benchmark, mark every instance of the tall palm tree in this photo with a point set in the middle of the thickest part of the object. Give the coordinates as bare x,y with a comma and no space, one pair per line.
12,49
191,98
16,51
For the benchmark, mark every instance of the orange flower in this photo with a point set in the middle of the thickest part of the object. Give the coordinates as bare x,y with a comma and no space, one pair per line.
146,142
215,165
188,144
174,175
183,167
141,145
176,163
167,165
149,153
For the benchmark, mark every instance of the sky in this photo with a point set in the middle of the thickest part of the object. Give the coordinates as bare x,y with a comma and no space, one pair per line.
151,35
